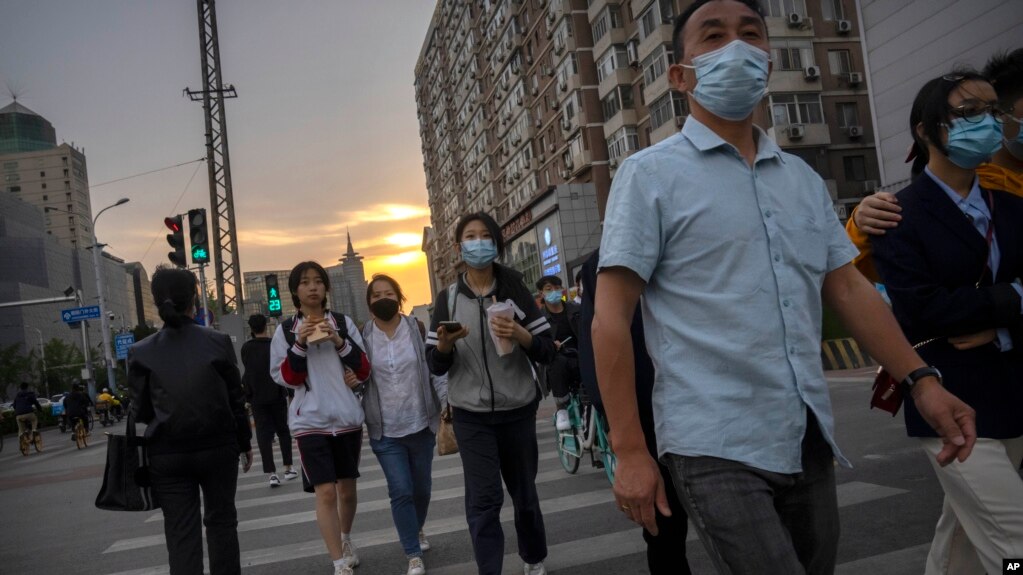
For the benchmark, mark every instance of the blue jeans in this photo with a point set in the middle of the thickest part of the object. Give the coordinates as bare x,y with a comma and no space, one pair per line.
406,463
756,521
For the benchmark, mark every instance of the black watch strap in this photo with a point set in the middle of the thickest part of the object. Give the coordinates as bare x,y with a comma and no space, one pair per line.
918,374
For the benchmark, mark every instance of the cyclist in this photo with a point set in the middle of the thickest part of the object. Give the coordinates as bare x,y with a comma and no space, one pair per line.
25,405
76,407
563,371
110,401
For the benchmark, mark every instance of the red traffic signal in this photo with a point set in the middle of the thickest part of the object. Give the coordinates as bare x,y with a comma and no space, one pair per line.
174,224
176,239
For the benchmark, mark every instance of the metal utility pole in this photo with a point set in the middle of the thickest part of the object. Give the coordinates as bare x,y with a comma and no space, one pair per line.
225,239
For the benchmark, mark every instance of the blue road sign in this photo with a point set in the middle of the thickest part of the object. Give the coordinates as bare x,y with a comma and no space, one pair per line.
77,314
122,342
204,316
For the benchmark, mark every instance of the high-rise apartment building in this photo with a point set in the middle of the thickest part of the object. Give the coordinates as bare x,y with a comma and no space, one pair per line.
518,99
46,175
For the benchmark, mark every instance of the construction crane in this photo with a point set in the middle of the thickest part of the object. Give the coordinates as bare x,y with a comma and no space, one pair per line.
218,162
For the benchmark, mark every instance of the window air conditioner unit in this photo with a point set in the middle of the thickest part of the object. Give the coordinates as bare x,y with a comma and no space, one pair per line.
855,78
680,121
529,59
854,131
613,162
812,72
555,104
796,131
516,69
566,174
632,50
550,148
550,17
795,20
507,43
869,186
518,100
536,90
541,158
843,26
565,124
539,122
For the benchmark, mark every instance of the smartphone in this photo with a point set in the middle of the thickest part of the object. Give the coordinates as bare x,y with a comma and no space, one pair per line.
451,326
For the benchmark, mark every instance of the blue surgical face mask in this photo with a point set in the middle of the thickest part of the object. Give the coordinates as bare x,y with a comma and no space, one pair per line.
1015,145
970,144
553,296
731,80
479,253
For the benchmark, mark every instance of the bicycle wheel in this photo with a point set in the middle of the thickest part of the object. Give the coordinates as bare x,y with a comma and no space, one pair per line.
37,441
568,450
91,421
79,435
607,455
23,443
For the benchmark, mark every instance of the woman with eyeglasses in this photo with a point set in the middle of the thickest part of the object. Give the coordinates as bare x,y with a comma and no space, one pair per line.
952,269
493,395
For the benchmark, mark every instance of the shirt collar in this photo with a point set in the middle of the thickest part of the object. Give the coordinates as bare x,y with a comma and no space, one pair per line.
705,139
973,199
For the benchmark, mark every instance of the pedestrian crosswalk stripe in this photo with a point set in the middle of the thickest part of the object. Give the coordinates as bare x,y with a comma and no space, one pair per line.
908,560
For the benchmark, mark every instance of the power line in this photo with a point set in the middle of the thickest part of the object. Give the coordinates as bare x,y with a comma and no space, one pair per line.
174,209
93,186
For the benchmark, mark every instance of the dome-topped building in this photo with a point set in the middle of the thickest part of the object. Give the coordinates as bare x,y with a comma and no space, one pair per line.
22,130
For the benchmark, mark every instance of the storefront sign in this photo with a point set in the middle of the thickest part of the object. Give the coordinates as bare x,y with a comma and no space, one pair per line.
517,225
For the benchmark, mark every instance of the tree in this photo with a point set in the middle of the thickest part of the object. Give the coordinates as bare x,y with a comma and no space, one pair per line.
14,367
64,363
141,332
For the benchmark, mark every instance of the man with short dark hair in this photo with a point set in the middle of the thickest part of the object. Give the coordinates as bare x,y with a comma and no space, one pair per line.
25,405
269,401
733,245
563,371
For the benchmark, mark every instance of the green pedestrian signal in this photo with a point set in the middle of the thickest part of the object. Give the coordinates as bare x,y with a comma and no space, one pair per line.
273,296
197,235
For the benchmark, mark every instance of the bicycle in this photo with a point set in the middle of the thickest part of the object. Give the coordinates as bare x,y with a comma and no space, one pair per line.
81,435
588,433
29,438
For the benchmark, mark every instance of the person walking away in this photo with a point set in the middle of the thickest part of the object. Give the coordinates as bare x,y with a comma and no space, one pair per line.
269,401
493,395
402,401
955,289
695,224
187,390
319,354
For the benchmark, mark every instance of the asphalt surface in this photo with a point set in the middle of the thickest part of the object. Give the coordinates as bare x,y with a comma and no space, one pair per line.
889,503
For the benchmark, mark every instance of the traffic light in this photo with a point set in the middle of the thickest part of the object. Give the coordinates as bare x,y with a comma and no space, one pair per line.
176,239
197,234
273,295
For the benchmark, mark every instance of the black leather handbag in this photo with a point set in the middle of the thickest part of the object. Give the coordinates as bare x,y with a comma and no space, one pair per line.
126,483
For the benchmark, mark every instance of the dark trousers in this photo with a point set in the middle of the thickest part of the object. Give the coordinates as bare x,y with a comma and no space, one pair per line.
177,478
563,377
490,452
272,418
666,552
756,521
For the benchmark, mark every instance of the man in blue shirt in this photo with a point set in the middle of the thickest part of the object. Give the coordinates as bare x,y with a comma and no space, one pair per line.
733,245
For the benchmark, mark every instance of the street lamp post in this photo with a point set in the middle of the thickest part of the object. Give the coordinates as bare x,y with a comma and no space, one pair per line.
104,320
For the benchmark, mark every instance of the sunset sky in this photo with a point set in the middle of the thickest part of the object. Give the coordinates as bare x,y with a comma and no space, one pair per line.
323,136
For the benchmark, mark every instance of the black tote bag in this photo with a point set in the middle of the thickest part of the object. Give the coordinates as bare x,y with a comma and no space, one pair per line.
126,485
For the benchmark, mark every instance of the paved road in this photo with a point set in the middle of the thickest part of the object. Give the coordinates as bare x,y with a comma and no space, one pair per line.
889,504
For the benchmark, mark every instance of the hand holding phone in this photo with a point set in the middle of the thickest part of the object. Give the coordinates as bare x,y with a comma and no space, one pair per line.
451,326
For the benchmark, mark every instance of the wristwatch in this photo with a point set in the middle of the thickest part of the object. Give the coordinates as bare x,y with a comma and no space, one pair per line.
918,374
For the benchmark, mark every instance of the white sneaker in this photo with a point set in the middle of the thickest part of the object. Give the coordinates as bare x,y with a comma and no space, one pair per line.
290,474
349,554
561,421
274,482
343,569
424,544
416,567
534,569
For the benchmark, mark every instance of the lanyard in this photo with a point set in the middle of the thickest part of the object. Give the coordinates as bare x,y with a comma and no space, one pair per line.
989,237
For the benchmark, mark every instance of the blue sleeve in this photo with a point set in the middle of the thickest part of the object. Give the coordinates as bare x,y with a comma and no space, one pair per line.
633,237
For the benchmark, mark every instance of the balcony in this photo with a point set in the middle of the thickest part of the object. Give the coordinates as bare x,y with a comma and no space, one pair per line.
559,8
666,130
621,76
662,35
597,5
793,81
570,85
613,36
657,88
580,161
622,118
800,135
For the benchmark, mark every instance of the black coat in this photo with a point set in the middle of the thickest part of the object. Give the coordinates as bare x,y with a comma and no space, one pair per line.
931,264
186,386
260,388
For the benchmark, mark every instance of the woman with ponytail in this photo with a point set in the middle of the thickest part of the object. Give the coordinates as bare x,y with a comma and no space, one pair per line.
186,388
